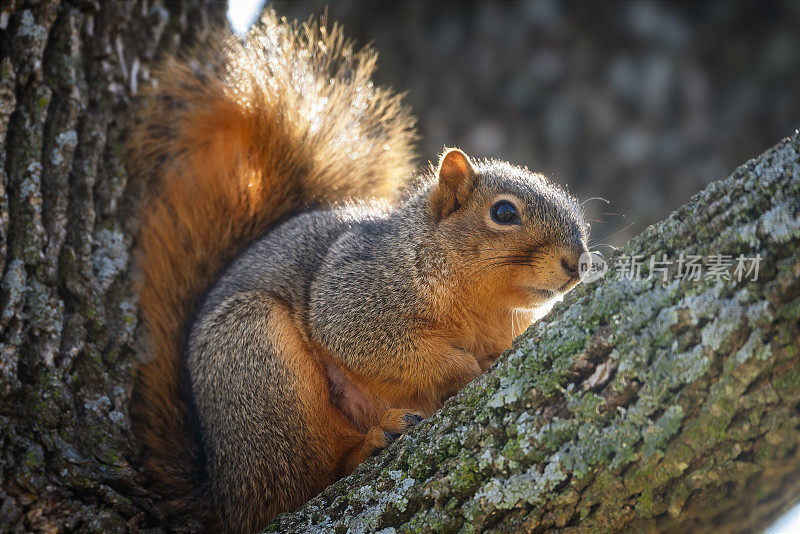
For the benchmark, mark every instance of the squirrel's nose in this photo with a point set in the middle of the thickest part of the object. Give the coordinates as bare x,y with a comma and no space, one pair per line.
570,266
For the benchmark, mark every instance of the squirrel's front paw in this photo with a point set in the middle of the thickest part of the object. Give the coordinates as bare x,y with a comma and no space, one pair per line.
393,424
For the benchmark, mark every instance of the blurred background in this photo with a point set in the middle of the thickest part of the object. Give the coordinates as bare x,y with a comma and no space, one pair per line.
640,103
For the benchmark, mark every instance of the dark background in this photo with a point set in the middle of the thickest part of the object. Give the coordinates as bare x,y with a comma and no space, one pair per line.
639,103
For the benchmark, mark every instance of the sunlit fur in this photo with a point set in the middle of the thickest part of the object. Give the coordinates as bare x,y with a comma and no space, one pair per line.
302,320
293,121
336,317
518,265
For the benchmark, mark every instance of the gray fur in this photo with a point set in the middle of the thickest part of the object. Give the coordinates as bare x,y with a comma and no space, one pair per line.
357,279
247,411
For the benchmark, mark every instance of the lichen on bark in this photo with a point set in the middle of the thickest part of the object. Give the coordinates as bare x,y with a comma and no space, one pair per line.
635,404
70,77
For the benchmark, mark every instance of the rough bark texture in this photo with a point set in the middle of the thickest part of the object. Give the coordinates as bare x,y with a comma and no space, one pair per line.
634,405
641,406
70,73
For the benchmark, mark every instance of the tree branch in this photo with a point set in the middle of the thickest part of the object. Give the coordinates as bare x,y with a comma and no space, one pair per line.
635,405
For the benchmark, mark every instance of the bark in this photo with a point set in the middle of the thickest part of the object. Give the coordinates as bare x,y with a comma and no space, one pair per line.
634,405
70,77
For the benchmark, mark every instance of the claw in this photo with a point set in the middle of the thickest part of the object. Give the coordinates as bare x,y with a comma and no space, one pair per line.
412,419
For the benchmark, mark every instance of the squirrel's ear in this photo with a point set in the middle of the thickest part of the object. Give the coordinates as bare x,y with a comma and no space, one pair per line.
456,180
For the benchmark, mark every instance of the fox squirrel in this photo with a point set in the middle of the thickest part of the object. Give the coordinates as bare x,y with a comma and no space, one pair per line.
306,301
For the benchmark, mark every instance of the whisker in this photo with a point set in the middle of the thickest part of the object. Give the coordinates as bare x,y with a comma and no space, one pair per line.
486,267
476,261
605,245
525,255
513,314
595,198
504,264
469,249
618,231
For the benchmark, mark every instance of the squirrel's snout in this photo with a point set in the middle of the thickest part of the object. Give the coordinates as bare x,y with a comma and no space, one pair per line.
570,266
570,262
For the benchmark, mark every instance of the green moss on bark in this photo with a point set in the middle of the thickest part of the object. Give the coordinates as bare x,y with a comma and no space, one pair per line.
634,405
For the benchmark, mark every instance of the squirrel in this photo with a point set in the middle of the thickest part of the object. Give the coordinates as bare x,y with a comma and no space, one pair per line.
307,299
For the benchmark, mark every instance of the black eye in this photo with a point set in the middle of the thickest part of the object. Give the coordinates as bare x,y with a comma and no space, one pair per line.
504,212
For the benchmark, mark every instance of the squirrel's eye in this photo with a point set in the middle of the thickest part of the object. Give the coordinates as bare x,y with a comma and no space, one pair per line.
504,212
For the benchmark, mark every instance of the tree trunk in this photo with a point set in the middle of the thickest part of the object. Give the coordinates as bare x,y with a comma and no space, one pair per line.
70,74
635,405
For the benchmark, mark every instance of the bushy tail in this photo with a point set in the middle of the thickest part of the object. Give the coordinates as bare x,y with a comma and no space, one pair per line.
285,120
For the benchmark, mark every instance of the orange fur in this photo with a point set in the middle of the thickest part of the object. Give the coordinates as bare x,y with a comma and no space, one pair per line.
226,153
285,122
475,314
